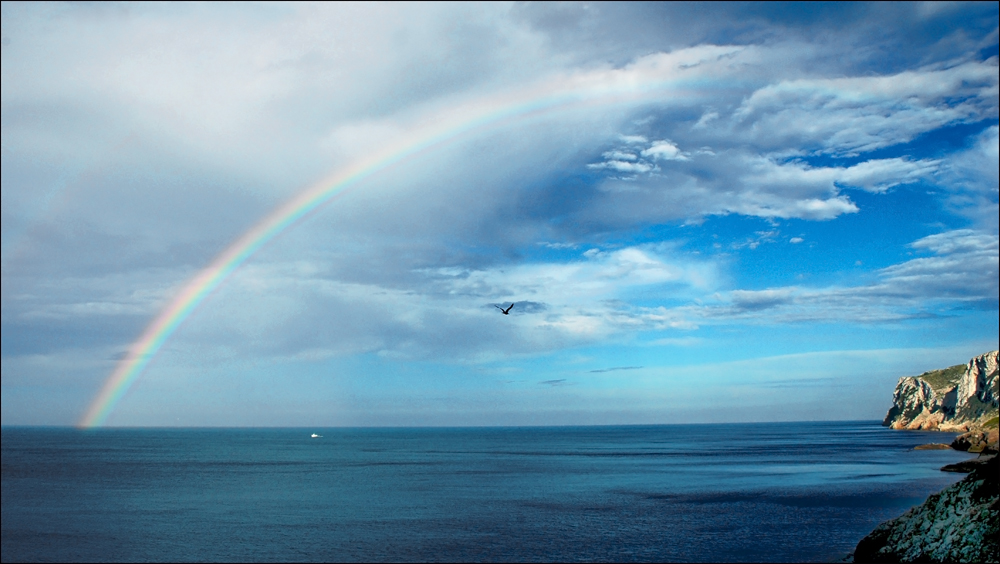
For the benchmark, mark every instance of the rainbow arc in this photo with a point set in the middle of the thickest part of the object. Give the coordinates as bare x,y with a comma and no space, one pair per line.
609,87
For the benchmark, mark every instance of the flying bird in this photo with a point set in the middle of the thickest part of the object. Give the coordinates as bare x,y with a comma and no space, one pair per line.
505,311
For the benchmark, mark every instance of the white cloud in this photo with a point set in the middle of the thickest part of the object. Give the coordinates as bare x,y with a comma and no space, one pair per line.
632,139
878,175
619,156
846,116
963,272
752,185
874,176
705,119
601,276
558,246
964,267
622,166
960,240
972,180
295,309
664,150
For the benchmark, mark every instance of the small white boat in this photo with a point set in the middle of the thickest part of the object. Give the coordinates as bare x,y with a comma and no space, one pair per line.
315,436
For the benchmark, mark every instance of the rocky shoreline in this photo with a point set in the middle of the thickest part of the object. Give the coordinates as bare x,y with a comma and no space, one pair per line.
959,524
962,522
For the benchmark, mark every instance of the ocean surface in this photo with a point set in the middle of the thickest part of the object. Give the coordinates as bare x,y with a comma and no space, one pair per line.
732,492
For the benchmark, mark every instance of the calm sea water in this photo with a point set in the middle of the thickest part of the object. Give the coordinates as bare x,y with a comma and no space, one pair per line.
735,492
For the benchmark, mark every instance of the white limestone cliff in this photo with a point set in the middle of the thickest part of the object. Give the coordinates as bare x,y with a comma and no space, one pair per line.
977,390
917,406
948,400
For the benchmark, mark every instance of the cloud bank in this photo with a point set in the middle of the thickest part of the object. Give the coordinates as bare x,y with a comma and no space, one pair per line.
608,169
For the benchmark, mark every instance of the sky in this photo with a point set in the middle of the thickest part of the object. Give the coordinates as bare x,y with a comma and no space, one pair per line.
717,212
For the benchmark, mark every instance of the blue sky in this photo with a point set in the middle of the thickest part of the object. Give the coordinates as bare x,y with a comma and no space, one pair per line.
803,209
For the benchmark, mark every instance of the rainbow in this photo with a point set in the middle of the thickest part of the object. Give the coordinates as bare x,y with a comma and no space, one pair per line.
606,87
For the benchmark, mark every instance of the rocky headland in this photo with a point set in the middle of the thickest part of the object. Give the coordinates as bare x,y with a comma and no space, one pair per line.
962,522
959,399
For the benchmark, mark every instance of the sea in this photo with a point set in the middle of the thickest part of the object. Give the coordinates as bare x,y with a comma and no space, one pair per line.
762,492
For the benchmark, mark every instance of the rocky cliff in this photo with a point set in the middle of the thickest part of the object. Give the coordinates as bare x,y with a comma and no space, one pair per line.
962,522
956,399
959,524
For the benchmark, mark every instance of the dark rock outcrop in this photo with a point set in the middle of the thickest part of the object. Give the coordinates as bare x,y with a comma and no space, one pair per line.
933,446
959,524
978,440
966,466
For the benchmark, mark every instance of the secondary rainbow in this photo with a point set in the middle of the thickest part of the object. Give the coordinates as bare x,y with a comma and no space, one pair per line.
602,89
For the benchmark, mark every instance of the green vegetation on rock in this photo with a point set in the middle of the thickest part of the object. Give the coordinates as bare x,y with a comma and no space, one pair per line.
944,378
